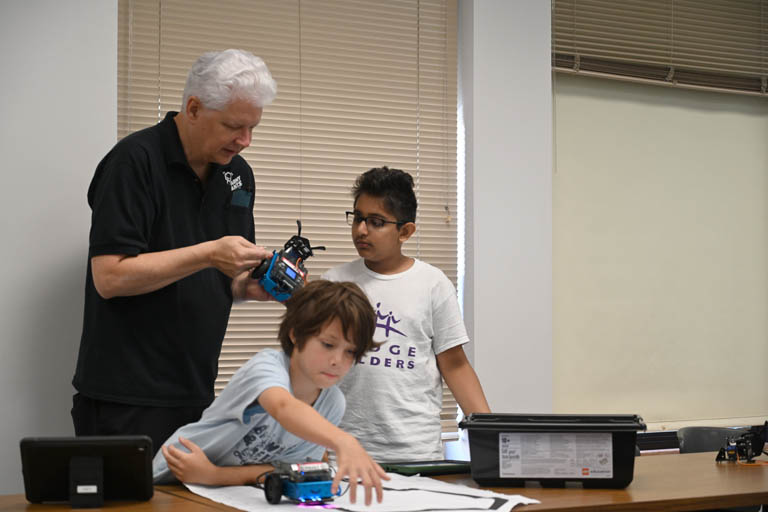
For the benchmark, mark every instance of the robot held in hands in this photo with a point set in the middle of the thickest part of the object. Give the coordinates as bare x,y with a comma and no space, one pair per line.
284,273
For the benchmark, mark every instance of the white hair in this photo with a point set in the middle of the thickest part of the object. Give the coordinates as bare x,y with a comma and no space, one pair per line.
216,78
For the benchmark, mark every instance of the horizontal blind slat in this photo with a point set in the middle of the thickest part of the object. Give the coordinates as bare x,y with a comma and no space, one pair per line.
713,41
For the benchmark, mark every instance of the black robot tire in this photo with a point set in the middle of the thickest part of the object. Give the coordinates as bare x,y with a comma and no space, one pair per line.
261,269
273,488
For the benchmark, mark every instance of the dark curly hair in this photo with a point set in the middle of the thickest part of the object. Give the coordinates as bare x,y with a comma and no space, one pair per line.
317,304
392,185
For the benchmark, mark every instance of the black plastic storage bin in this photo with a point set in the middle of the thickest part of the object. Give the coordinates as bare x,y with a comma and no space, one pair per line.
509,449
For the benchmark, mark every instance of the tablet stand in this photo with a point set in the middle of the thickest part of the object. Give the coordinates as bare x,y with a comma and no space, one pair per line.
86,482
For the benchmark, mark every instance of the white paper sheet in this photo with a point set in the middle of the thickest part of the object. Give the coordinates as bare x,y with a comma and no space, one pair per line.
401,494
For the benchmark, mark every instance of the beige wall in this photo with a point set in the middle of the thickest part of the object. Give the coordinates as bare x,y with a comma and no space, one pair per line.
660,253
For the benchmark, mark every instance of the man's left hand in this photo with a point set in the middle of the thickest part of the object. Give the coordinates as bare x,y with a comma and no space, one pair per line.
244,287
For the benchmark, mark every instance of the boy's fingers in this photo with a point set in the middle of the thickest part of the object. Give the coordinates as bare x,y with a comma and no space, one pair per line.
367,484
382,474
170,460
189,445
177,453
170,452
352,488
173,465
336,480
379,491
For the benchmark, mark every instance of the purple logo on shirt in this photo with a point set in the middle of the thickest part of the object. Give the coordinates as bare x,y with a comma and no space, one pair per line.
392,357
390,319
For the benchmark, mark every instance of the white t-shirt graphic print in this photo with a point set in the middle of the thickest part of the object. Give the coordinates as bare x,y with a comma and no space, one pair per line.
394,395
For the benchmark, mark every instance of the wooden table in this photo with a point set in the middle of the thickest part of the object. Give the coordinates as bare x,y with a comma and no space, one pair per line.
161,501
661,482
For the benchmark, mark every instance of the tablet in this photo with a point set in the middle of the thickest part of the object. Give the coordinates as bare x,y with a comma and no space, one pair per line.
125,464
426,468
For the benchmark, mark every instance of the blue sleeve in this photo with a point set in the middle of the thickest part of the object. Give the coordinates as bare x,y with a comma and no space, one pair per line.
267,369
225,422
333,406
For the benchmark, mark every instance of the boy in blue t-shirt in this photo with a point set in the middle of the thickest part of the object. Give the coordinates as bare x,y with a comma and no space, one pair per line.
284,405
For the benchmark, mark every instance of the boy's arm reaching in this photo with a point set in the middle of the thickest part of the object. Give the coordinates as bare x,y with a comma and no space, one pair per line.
303,421
194,467
462,380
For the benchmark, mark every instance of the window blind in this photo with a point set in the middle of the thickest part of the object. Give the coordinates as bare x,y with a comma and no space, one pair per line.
361,84
713,44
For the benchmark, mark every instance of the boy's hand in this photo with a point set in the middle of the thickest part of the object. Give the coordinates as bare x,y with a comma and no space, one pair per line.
353,461
193,467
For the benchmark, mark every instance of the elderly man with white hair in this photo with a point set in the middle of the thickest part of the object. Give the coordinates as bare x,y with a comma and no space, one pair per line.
171,244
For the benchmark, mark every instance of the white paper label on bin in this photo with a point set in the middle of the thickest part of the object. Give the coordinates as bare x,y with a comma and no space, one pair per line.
555,455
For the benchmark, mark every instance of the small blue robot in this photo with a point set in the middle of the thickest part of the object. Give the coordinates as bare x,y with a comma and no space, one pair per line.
304,482
284,273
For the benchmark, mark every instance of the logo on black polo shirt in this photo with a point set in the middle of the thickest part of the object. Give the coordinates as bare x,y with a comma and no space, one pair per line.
234,181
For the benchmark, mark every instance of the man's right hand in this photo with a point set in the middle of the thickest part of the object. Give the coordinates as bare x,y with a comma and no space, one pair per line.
121,275
234,254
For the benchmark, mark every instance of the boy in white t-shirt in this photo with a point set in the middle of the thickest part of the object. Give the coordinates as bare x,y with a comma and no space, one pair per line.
283,406
394,394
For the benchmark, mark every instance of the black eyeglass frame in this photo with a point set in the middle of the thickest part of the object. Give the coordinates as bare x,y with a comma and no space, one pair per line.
351,220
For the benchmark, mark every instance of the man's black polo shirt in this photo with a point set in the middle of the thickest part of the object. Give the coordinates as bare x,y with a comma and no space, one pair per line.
160,348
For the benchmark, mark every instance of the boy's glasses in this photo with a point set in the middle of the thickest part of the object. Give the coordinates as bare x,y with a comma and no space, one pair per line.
353,219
